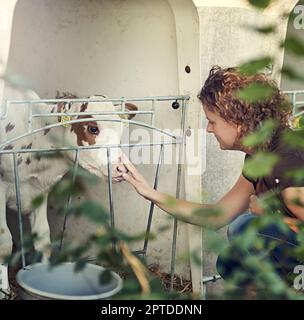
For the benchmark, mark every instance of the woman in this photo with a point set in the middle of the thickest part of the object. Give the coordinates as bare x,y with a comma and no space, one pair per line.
230,119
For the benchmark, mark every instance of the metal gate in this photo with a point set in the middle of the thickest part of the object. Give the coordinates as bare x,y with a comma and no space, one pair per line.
177,101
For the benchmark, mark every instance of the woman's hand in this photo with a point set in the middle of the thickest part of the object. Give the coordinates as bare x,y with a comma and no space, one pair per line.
136,179
254,205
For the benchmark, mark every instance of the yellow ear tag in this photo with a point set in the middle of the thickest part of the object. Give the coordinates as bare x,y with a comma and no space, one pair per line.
64,119
124,117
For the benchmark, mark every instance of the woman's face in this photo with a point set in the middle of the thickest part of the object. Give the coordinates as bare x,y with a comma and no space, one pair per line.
225,133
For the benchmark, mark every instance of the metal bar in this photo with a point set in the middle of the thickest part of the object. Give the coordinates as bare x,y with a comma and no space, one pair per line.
299,114
86,120
18,200
153,113
178,186
133,145
123,106
111,205
101,113
75,168
211,279
5,111
151,209
293,104
294,91
158,98
30,125
299,102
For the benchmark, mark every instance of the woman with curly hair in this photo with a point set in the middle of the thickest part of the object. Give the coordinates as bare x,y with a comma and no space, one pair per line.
231,119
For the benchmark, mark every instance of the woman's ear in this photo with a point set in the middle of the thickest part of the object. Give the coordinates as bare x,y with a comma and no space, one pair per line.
239,136
239,130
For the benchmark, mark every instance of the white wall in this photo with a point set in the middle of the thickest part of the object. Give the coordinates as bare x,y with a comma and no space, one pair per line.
290,60
6,17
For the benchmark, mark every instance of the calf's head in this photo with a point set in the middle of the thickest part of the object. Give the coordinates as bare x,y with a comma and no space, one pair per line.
94,131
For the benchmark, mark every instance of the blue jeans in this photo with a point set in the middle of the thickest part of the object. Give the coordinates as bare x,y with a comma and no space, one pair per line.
279,255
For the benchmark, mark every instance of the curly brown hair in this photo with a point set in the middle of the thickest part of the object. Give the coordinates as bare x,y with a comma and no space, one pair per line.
220,95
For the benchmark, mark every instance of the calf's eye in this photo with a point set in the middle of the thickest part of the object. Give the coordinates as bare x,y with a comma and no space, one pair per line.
93,130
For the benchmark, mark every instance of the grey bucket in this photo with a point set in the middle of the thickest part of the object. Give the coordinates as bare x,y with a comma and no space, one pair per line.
41,282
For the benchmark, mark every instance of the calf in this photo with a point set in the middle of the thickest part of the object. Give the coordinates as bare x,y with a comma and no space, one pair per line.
38,175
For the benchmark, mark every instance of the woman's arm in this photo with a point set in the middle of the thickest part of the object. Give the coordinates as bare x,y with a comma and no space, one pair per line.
216,215
294,200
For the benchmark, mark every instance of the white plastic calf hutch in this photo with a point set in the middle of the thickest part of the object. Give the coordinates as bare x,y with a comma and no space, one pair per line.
136,48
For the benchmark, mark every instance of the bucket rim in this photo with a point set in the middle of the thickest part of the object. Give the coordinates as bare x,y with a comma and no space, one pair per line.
59,296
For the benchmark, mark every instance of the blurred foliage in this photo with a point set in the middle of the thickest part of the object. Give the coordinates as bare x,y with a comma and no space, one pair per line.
297,175
261,4
263,30
261,135
292,74
298,122
294,139
294,45
254,66
260,164
255,92
112,246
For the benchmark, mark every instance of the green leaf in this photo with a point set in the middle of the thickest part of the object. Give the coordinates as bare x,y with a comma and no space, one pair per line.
292,74
79,265
82,174
254,66
48,155
131,238
260,4
260,164
267,29
264,30
207,212
13,259
93,211
261,135
196,258
79,251
294,45
255,92
105,277
214,241
66,187
37,201
294,139
297,175
298,122
163,228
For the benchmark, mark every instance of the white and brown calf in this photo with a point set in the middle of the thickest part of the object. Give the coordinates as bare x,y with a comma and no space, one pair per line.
38,175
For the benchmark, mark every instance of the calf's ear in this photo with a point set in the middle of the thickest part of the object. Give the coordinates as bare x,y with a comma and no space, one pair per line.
130,107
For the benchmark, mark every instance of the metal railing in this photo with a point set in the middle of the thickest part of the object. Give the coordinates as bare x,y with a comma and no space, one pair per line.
297,100
175,140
